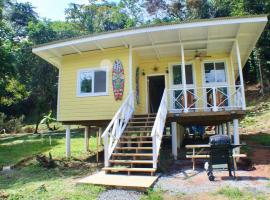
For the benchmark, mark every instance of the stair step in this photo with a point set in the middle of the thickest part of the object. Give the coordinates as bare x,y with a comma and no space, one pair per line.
139,131
131,161
123,169
139,127
133,148
145,115
133,154
143,118
141,122
135,142
137,137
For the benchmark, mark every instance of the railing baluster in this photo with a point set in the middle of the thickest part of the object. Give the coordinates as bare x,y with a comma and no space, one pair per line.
116,127
223,96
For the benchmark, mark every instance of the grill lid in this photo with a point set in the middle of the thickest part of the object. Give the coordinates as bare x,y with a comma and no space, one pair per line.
219,140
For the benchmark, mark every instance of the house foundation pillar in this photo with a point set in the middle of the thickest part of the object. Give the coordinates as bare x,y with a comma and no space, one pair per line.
68,141
223,129
228,128
174,139
86,138
236,138
220,129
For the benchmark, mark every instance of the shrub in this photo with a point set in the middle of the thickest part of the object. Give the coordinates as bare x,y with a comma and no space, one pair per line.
10,125
28,129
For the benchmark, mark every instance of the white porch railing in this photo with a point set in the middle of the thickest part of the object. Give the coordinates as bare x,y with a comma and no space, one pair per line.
158,128
206,99
117,126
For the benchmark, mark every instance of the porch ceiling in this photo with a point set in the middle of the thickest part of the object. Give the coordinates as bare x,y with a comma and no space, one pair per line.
210,36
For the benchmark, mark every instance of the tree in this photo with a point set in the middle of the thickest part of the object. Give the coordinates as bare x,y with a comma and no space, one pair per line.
98,17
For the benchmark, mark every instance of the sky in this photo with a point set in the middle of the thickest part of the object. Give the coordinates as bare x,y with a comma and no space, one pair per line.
53,9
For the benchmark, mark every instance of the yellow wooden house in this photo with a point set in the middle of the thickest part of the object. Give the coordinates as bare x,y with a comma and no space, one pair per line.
158,91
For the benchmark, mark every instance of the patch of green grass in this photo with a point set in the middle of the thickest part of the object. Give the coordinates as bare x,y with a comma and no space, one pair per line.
14,149
236,194
262,138
153,195
34,182
231,193
246,149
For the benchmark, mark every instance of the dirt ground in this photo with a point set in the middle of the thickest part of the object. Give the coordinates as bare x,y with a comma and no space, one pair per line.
253,175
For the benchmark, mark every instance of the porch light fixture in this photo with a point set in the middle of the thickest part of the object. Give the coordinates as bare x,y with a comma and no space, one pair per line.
143,73
155,69
167,70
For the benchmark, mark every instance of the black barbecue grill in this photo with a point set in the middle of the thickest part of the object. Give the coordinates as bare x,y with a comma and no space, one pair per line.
221,155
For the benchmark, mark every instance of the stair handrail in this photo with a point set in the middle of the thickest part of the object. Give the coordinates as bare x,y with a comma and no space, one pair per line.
117,126
158,128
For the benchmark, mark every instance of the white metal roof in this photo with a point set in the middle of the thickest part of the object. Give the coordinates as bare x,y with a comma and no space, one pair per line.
211,36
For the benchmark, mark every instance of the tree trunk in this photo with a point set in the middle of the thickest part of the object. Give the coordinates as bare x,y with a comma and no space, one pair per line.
36,129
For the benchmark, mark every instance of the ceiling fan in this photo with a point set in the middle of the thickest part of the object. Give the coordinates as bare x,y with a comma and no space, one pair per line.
200,56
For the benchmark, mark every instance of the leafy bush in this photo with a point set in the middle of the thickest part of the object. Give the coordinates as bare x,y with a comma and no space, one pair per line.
28,129
10,125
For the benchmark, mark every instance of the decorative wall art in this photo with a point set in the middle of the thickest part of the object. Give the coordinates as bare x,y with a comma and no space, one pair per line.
118,80
137,85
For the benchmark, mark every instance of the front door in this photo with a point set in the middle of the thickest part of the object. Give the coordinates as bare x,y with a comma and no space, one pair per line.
156,86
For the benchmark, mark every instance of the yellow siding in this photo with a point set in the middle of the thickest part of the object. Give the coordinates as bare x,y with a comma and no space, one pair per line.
74,108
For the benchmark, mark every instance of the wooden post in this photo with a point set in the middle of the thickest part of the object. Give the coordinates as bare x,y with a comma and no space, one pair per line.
174,140
183,70
68,141
130,69
97,140
236,136
228,129
240,75
86,138
223,128
106,151
220,129
215,109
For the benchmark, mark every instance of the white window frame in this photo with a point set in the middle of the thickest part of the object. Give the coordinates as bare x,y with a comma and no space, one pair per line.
181,85
92,70
215,83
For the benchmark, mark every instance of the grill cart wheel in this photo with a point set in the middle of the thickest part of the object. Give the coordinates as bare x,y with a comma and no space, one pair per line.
211,178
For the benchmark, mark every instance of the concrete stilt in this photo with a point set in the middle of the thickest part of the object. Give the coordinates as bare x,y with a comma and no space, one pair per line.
68,141
174,140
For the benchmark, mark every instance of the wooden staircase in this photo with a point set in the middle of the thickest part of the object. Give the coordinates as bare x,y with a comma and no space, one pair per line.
134,151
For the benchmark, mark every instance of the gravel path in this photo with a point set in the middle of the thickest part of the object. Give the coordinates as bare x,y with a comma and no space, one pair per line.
120,195
189,182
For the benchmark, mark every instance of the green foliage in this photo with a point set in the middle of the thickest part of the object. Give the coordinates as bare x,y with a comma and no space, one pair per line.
98,17
233,193
262,138
12,125
48,119
153,195
17,147
35,182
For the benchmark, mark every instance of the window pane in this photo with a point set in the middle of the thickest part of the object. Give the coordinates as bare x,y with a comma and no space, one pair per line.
209,72
86,82
189,74
177,76
100,81
220,72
